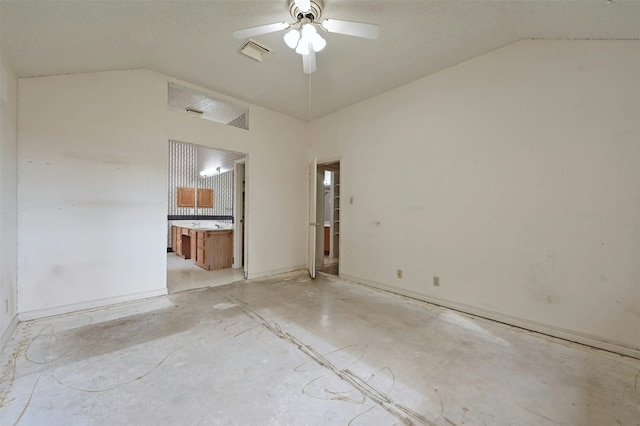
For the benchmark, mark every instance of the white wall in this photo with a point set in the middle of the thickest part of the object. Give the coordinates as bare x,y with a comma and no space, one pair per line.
8,209
514,177
92,190
92,194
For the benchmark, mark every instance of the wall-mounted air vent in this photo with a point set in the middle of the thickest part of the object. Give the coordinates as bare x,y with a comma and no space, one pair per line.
255,50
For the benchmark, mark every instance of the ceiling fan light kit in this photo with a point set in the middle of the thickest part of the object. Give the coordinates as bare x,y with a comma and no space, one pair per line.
308,39
291,38
303,36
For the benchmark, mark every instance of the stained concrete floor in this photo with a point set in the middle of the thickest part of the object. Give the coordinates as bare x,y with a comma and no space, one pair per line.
291,351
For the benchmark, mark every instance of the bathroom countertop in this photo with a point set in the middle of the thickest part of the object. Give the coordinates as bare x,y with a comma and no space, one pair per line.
204,226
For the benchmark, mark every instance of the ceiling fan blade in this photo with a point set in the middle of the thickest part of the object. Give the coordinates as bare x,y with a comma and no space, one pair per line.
357,29
262,29
309,62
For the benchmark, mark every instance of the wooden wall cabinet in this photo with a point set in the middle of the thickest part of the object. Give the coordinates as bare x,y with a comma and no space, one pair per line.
186,197
205,198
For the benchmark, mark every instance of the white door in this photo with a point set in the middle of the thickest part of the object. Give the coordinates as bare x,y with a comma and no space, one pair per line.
313,224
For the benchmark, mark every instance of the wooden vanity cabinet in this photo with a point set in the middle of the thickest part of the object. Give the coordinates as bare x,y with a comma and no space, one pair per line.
174,239
209,249
181,241
214,249
201,245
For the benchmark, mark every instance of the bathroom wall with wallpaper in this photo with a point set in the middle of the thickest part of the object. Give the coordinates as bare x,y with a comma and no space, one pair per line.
186,161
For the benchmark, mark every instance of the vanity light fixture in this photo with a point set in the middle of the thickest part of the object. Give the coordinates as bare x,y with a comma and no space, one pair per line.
210,172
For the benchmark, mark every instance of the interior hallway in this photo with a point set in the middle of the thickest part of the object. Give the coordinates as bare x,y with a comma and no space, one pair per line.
287,350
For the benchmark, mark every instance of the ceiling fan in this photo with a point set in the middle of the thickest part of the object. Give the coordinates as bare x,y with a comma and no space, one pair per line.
303,36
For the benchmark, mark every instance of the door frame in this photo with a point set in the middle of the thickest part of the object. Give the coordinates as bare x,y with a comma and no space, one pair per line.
312,229
321,164
240,252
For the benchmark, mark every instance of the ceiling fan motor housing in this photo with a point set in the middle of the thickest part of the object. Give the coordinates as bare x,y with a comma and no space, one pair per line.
312,15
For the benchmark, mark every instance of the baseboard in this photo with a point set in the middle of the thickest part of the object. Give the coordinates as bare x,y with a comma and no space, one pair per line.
91,304
534,326
262,274
8,332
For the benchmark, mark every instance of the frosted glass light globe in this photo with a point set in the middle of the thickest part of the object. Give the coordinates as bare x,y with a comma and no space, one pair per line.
291,38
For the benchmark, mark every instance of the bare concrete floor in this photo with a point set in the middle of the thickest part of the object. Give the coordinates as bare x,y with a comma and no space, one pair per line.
291,351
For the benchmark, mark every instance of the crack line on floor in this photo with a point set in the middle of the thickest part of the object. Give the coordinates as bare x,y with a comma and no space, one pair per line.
405,414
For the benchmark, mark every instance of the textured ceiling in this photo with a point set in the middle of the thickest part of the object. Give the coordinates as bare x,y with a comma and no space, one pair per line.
181,99
191,40
210,159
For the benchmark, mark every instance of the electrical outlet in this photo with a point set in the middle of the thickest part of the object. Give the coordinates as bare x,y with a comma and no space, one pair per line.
436,281
399,273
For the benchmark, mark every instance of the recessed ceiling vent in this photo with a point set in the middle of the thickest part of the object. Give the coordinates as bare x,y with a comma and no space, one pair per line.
255,50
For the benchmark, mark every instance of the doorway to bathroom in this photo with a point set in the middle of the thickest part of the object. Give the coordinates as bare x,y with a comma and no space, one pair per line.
205,217
328,199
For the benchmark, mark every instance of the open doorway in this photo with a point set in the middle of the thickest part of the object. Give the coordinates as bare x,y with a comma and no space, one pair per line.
240,212
328,250
202,217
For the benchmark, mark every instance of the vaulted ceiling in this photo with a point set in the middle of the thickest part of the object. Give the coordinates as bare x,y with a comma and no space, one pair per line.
192,41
